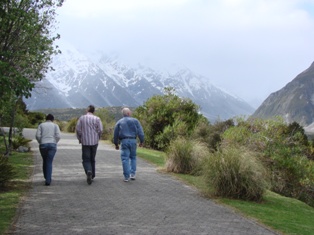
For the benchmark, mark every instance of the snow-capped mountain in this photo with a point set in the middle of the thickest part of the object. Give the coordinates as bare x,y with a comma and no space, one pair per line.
79,80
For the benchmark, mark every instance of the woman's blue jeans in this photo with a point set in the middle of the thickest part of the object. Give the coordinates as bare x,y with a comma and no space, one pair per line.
128,157
47,152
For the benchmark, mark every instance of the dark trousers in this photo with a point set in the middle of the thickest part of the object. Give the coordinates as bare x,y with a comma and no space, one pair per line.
88,157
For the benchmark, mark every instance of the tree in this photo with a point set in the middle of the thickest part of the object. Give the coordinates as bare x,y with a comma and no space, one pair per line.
165,117
26,47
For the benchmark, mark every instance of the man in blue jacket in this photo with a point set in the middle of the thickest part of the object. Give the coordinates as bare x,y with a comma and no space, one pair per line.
126,130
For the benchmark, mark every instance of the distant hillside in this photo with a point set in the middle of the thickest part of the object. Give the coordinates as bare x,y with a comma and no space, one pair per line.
69,113
294,102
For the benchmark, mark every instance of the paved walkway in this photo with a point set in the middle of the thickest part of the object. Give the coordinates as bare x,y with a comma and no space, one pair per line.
154,203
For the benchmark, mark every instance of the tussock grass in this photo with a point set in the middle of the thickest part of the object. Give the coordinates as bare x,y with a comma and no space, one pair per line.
236,173
185,156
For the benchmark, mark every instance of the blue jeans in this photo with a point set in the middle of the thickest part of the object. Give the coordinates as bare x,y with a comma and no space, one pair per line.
47,152
128,157
88,158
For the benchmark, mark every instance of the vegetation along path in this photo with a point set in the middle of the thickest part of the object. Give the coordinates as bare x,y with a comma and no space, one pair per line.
154,203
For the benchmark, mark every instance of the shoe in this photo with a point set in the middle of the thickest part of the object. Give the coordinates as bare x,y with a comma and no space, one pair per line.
89,177
132,177
47,184
126,180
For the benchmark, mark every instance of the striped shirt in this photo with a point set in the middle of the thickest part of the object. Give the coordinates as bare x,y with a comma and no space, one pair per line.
89,129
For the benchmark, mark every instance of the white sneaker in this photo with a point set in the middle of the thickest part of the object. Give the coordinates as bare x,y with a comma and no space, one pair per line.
126,180
132,177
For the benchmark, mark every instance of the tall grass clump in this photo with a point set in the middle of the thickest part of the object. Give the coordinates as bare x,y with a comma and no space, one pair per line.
235,172
185,156
70,127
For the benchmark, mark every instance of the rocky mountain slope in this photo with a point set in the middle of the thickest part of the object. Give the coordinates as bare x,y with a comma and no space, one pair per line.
80,80
294,102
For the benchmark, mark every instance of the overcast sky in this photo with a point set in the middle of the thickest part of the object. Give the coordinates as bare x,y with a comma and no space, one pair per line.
250,48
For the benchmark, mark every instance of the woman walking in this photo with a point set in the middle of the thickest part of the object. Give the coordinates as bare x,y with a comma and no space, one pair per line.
48,135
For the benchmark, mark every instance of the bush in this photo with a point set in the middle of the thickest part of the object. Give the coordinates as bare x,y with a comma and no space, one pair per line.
236,173
284,150
293,176
19,140
34,118
62,125
211,134
160,117
6,171
185,156
70,127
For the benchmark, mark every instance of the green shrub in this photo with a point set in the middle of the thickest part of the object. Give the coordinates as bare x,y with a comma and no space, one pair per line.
211,134
236,172
170,132
62,125
293,176
163,113
70,127
185,156
283,149
7,172
34,118
19,140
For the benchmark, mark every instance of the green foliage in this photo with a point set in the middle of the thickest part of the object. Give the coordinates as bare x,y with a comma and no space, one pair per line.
19,140
185,156
108,122
164,116
7,172
15,189
236,173
284,150
62,125
26,44
211,134
34,118
105,115
69,113
70,127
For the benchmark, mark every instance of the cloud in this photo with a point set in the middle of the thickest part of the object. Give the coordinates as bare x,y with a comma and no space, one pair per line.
238,44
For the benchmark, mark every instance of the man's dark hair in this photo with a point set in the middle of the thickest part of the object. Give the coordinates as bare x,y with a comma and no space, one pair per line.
91,109
50,117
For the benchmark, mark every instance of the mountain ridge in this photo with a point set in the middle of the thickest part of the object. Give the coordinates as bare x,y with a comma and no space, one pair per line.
79,80
294,102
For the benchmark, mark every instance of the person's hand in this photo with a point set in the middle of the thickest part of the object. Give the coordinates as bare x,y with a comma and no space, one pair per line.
140,145
117,147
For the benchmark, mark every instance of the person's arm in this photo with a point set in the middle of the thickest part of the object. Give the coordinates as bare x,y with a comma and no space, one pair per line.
116,136
78,130
101,128
57,133
140,133
38,134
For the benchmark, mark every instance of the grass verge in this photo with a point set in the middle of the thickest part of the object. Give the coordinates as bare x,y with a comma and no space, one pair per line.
10,197
286,215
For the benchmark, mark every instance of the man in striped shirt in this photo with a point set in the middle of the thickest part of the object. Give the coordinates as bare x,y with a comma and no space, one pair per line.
88,131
